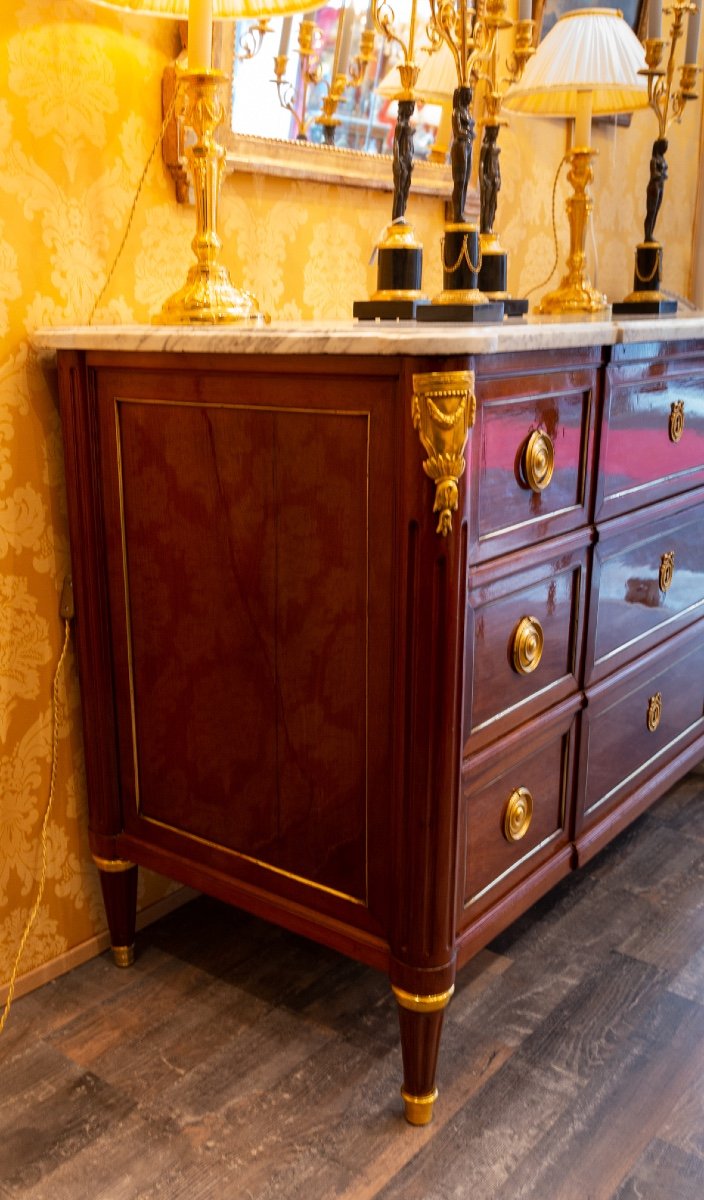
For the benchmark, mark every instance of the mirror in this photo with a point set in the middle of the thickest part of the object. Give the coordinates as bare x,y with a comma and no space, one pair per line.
279,91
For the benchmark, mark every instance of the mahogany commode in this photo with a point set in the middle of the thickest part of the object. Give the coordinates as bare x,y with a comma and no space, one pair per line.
315,688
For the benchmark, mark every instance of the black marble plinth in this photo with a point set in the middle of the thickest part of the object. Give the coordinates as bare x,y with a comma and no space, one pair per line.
645,307
513,307
492,311
385,310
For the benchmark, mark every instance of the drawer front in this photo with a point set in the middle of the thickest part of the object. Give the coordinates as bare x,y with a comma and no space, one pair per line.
531,455
652,442
516,811
524,638
647,582
638,720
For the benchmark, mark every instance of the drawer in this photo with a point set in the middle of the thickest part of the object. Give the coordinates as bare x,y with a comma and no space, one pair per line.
516,810
524,635
530,463
652,440
647,581
639,719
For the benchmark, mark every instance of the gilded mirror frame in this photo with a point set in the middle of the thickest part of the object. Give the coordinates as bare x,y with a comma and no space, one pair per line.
290,159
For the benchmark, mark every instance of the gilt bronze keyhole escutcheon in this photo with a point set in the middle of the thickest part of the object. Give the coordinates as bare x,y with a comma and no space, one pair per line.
676,420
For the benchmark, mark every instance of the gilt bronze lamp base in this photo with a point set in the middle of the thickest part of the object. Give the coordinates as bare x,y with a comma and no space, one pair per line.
208,296
575,294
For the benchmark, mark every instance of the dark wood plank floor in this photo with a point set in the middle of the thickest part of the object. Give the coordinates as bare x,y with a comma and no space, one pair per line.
238,1062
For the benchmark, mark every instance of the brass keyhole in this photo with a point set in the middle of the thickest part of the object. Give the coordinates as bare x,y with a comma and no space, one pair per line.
676,420
667,570
654,711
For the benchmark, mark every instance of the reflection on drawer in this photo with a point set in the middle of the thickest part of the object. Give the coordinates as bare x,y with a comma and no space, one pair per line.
524,637
635,722
530,460
647,581
652,441
516,809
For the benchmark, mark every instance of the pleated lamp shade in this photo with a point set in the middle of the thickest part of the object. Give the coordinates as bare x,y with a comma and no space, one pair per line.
592,50
438,76
223,10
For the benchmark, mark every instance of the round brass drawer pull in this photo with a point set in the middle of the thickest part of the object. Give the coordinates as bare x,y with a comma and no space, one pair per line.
667,570
654,711
518,814
676,420
528,642
538,461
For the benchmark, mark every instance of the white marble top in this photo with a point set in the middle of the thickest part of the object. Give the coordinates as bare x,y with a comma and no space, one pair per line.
353,337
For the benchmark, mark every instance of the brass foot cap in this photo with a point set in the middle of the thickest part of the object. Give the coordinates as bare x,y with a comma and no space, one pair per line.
123,956
418,1110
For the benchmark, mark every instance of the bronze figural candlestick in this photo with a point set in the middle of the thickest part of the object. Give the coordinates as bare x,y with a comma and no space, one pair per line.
493,273
471,41
668,105
399,253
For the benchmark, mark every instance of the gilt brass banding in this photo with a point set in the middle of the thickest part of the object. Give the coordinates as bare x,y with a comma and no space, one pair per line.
442,411
538,460
667,570
419,1109
123,956
112,865
676,420
518,814
528,642
423,1004
654,711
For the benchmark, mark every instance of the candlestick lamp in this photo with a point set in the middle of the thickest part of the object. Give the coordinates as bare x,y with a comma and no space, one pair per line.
208,296
588,64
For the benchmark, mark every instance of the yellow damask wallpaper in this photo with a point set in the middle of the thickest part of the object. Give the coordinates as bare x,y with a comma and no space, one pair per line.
79,112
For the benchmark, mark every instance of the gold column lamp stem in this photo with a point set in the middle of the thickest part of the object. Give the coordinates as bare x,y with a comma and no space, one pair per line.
208,297
575,292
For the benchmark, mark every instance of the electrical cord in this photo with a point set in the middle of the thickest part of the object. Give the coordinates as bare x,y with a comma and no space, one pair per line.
67,613
162,133
543,283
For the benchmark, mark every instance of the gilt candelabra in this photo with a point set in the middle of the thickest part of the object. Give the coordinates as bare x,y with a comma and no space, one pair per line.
471,39
496,77
668,102
398,251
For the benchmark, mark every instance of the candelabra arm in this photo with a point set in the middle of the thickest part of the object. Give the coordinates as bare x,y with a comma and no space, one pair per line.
311,74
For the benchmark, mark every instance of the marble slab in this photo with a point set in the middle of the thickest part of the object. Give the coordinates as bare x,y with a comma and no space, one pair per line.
385,338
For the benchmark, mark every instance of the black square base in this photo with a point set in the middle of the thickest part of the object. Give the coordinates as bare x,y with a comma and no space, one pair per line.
651,308
385,310
515,308
493,311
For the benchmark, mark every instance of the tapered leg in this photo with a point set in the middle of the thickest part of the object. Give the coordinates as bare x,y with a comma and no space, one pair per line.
118,880
420,1018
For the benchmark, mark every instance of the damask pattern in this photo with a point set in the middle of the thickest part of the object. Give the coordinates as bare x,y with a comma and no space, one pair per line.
79,115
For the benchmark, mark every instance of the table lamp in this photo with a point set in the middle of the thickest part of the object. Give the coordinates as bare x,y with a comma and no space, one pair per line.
586,66
208,296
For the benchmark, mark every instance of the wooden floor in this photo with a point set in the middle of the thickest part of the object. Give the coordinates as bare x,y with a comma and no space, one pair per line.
237,1062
